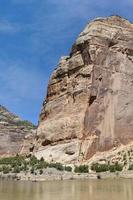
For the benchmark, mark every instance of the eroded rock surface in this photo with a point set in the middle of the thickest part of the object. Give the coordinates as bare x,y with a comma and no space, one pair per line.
89,104
16,135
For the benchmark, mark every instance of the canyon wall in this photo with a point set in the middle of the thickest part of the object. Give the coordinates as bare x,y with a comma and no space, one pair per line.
16,136
89,103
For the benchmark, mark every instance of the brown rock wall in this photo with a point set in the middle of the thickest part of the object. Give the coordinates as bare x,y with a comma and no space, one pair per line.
90,93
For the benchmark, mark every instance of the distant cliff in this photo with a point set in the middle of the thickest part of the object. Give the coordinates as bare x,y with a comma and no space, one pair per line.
16,135
89,103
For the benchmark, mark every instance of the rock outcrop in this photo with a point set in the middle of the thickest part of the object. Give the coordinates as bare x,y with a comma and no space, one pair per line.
89,103
16,135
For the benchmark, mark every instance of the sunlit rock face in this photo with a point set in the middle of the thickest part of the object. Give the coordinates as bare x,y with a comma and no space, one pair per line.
89,103
16,135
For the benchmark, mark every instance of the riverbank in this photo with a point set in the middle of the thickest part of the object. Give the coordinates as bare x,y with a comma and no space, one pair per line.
32,169
49,174
55,175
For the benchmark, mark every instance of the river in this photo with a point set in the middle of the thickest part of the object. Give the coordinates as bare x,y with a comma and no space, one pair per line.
117,189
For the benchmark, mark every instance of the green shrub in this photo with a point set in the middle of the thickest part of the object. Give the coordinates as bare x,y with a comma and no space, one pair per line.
41,164
68,168
100,167
17,160
25,166
6,169
130,167
112,168
16,170
33,160
41,171
21,163
25,123
57,165
104,167
45,164
81,169
118,167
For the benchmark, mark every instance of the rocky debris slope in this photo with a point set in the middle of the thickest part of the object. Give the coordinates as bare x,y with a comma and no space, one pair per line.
89,103
16,135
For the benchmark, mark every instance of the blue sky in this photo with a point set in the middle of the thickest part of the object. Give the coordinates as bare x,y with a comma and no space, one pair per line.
34,34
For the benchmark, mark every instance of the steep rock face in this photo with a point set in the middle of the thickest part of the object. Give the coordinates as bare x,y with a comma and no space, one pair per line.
16,136
89,104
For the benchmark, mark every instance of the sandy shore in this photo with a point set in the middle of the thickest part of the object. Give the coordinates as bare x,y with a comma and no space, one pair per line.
53,174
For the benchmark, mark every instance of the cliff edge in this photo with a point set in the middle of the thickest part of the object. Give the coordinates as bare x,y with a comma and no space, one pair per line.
89,103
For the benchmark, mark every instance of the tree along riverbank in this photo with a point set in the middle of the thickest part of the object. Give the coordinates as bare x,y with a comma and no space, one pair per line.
31,169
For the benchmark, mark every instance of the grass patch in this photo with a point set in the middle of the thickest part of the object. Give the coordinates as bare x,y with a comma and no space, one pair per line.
81,169
106,167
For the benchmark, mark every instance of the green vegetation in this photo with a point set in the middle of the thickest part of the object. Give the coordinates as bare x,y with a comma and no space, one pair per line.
100,167
30,164
16,169
32,170
130,167
68,168
81,169
106,167
25,123
6,169
34,166
118,167
57,166
41,171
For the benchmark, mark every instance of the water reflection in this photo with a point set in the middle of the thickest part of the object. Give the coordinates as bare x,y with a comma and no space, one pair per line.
67,190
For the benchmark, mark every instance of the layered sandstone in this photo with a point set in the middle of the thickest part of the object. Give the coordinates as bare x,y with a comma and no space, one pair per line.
16,135
89,103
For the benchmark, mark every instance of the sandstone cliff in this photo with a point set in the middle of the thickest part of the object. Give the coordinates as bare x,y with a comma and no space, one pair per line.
16,135
89,103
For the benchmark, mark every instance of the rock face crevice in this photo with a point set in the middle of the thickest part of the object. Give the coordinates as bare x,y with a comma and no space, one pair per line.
89,104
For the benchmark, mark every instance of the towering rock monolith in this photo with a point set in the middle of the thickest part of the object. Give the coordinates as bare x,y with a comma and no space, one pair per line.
89,103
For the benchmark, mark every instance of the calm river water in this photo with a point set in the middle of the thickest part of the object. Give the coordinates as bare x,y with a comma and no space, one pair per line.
121,189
